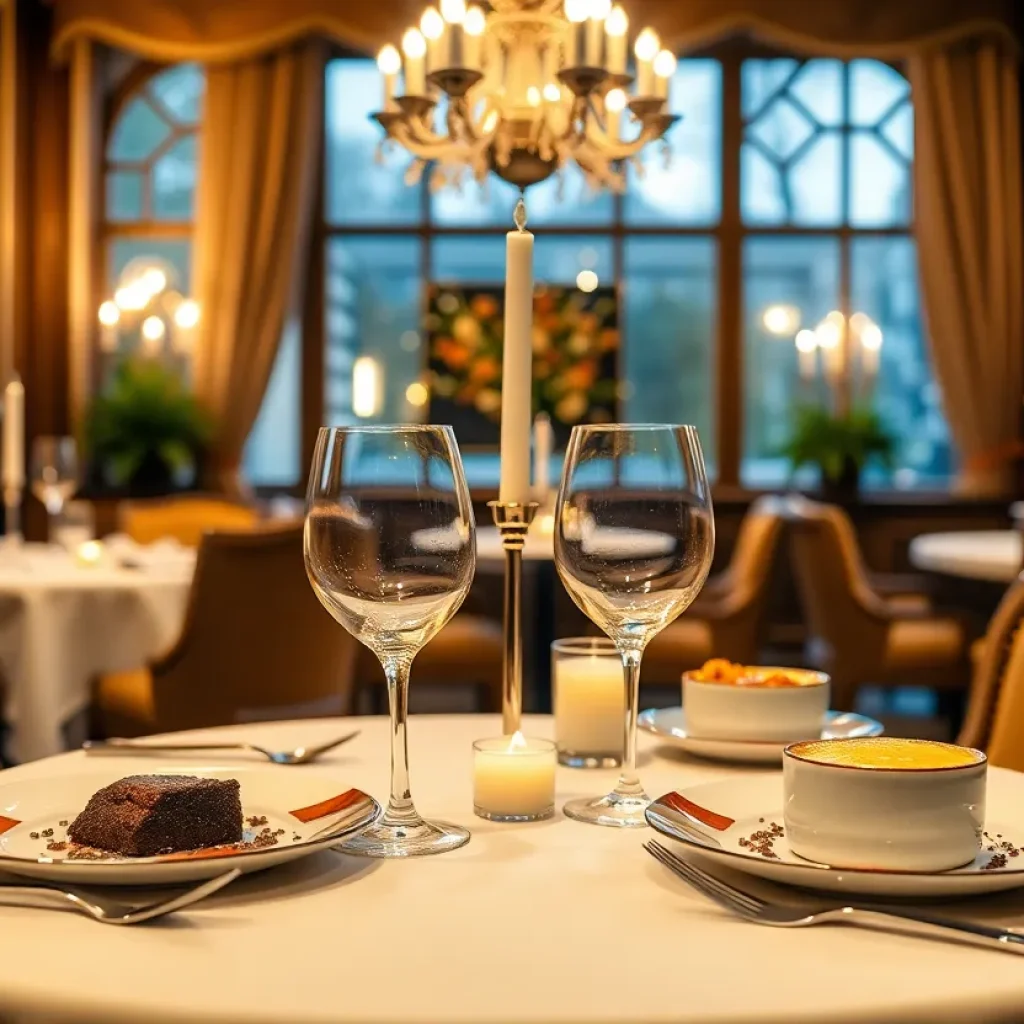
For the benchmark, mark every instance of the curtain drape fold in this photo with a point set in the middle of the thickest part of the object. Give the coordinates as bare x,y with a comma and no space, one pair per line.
261,142
971,249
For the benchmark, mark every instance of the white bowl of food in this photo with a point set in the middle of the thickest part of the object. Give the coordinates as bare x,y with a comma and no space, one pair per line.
883,803
753,703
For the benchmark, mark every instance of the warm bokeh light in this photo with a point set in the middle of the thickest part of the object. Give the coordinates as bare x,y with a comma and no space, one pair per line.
453,11
416,394
490,121
154,280
153,328
413,43
828,333
533,96
617,23
475,21
389,60
187,313
647,45
615,100
781,319
132,297
871,336
806,341
587,280
665,64
552,93
600,9
367,387
109,313
577,10
432,24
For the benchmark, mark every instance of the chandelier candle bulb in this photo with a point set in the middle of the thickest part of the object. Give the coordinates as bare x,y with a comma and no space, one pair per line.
616,27
390,63
664,69
577,12
432,27
14,439
599,10
453,12
514,778
646,49
807,354
473,26
517,363
414,46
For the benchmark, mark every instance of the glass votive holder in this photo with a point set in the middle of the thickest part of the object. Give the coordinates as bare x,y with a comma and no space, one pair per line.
514,778
590,702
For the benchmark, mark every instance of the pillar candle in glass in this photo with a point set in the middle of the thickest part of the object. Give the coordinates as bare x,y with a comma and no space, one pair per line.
514,778
590,702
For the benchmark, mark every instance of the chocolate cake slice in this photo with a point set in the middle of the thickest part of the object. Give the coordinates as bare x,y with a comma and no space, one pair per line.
145,815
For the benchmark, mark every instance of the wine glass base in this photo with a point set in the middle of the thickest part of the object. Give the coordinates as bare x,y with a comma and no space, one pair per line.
614,810
416,839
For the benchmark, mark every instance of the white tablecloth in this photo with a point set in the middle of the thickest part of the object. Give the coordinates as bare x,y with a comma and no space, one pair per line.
553,922
62,624
992,555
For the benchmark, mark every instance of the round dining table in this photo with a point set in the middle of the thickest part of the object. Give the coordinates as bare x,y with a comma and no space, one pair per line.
555,921
993,556
64,621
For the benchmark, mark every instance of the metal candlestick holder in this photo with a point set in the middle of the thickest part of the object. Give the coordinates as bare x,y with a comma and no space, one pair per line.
513,520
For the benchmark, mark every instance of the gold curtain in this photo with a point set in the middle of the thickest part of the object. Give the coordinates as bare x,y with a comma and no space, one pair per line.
967,168
231,30
262,124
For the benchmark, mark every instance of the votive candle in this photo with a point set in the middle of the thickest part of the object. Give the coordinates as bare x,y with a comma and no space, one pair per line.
590,702
514,778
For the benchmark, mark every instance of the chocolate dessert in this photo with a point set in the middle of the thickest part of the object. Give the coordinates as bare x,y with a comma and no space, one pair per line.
146,815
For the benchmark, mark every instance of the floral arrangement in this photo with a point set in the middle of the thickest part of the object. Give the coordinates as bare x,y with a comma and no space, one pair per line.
575,347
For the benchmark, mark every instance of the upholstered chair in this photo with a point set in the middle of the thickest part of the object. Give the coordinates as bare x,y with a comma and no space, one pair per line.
855,633
256,644
995,709
183,518
727,620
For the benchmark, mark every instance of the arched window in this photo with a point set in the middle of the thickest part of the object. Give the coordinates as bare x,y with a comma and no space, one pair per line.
149,179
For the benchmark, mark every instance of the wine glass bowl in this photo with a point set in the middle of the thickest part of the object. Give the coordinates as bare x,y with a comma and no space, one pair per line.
54,473
390,552
634,539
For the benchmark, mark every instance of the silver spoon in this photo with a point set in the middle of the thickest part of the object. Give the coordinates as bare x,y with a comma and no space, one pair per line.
104,909
300,755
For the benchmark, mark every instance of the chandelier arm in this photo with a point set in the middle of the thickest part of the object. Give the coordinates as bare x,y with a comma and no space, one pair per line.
413,132
441,148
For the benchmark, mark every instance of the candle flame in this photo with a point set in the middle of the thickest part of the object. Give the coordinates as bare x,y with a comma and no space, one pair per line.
520,214
518,742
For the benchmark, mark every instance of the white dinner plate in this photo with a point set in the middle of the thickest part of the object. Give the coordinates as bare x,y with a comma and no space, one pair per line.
669,725
711,820
307,803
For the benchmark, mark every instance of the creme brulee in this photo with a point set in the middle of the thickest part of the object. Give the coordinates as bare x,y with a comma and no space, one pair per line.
889,753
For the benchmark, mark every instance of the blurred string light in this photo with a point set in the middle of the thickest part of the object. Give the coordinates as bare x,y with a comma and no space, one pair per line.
781,320
367,387
587,280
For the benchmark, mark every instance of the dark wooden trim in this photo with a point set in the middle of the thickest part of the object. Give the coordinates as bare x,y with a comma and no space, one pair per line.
313,340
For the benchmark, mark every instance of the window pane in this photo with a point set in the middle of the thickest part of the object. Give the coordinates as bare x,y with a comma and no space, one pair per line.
138,132
372,296
880,184
687,189
808,193
272,451
361,190
884,285
874,89
802,276
558,259
174,181
669,292
124,196
179,90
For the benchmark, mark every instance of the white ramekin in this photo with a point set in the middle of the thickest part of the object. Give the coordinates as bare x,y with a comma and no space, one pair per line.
725,711
889,819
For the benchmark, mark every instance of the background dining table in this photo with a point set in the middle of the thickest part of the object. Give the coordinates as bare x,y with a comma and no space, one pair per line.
63,623
555,921
994,556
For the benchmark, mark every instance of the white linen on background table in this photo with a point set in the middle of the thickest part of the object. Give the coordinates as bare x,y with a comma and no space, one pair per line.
549,923
991,555
61,625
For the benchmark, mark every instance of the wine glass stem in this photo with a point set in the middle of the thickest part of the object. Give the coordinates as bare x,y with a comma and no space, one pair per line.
629,782
400,808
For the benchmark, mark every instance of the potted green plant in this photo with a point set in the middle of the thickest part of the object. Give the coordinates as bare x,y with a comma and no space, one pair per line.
839,445
145,433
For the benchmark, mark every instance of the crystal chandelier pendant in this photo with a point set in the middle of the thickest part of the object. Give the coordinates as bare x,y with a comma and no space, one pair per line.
524,89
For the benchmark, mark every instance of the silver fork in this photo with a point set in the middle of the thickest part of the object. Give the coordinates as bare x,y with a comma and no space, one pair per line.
300,755
778,915
104,909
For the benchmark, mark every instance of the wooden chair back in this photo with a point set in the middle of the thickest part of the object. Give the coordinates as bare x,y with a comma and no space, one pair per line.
184,518
256,643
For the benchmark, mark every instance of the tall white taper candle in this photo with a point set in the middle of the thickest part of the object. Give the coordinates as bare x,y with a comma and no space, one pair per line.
517,362
14,435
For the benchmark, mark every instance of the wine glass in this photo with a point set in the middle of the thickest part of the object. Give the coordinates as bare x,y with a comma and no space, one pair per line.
390,549
54,467
634,537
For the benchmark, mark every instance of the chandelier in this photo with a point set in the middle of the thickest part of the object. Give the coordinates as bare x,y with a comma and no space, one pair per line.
523,88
